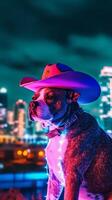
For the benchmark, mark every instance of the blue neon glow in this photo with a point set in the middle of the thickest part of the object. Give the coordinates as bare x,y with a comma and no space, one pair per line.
23,176
18,184
35,176
23,180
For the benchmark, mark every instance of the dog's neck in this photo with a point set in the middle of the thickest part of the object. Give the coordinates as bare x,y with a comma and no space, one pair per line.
62,125
72,108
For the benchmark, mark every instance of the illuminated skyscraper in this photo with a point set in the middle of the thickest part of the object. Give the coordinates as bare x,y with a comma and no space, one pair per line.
106,98
20,118
10,121
3,108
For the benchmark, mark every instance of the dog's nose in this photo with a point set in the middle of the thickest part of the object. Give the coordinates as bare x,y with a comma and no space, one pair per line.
34,104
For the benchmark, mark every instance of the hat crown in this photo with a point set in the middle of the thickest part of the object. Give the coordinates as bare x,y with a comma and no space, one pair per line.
54,69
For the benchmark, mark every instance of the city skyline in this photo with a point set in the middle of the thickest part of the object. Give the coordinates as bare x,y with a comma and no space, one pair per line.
17,117
15,125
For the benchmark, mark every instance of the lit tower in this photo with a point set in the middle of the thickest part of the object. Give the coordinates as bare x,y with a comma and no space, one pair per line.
20,118
106,98
3,108
10,121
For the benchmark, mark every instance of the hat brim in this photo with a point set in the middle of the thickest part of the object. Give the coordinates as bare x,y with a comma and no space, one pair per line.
85,84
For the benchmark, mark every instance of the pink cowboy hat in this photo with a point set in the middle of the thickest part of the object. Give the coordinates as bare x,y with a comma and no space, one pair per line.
62,76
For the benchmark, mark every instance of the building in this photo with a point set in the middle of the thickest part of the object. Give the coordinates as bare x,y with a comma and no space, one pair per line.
106,98
10,121
3,108
20,118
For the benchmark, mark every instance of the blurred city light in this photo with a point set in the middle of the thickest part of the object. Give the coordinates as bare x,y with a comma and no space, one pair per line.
25,153
3,90
41,154
1,165
19,152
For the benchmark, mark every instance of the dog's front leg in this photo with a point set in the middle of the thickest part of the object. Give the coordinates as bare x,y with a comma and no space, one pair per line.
72,185
54,187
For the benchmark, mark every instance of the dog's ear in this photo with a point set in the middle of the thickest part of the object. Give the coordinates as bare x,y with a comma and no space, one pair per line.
72,96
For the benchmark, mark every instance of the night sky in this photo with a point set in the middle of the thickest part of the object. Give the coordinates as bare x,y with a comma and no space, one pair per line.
36,32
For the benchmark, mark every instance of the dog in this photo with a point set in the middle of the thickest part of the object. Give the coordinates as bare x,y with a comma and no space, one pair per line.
86,156
79,152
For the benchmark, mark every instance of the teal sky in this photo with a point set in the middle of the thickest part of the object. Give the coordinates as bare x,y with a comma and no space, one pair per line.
34,33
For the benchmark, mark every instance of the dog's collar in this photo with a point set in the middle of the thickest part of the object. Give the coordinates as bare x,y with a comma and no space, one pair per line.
66,125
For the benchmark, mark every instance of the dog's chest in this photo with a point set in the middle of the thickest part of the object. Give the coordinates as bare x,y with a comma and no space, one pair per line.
55,152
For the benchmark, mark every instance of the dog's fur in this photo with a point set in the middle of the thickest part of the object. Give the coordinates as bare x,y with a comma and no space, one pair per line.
87,163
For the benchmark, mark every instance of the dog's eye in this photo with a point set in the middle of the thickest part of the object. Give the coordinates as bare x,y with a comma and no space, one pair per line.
50,96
